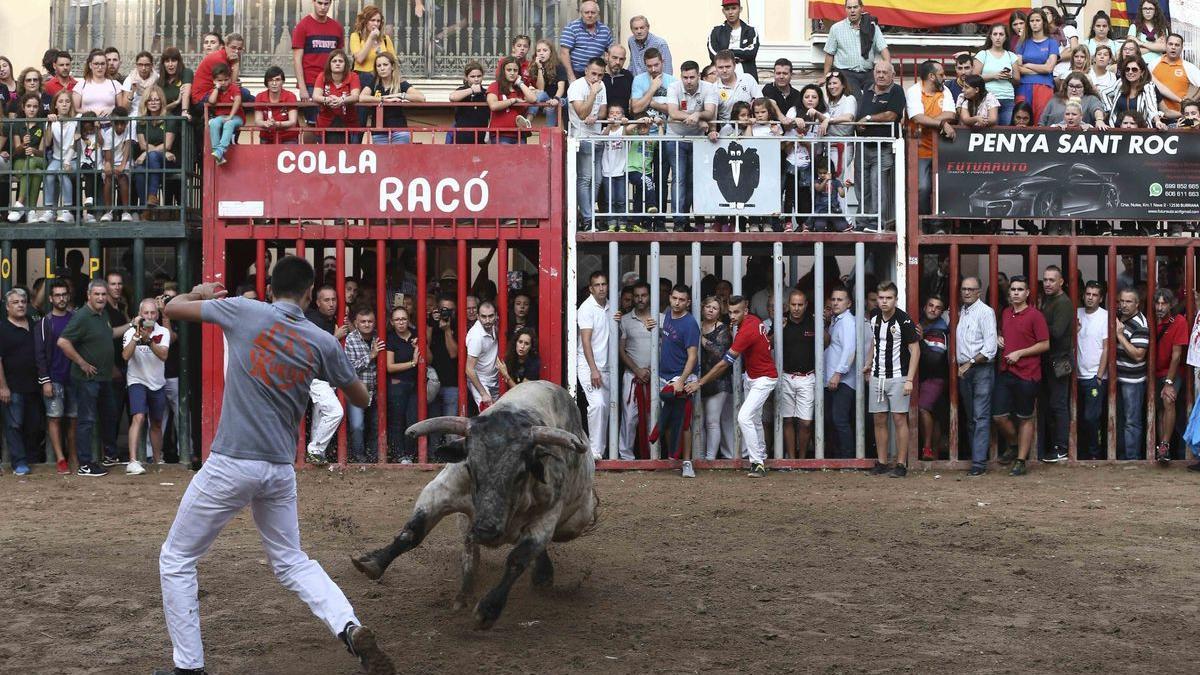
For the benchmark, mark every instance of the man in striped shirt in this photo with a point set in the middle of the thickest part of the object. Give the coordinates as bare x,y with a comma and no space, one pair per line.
1133,346
584,39
895,352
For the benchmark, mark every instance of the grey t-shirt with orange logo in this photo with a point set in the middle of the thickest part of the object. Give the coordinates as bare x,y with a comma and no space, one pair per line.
274,353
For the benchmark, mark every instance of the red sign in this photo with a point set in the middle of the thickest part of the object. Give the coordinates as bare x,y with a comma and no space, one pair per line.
385,181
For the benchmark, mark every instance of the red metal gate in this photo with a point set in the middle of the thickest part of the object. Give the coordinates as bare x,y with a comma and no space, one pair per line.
369,203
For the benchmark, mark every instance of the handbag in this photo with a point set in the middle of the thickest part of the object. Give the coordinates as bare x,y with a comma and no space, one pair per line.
1061,365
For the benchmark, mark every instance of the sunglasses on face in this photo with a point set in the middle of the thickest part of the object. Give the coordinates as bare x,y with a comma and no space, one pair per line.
1133,69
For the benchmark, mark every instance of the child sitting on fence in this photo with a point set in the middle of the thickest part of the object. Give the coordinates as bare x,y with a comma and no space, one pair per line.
118,149
226,102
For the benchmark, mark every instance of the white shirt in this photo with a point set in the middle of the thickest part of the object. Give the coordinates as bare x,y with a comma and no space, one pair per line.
482,345
579,90
705,94
135,104
744,88
116,143
1093,333
639,340
593,316
144,367
616,155
916,106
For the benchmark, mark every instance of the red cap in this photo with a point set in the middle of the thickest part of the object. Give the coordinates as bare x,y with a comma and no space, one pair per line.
730,2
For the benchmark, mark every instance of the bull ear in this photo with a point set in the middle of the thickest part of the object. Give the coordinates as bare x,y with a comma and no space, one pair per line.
551,436
533,464
451,452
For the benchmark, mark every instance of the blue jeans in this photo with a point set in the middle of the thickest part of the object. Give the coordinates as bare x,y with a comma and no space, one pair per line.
587,166
391,137
839,406
498,139
1004,115
615,196
679,157
446,403
16,431
221,130
148,179
1093,401
975,399
1131,417
95,404
551,113
58,186
362,425
401,414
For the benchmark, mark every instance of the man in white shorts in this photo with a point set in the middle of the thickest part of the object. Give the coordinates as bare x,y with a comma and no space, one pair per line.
274,354
799,377
894,349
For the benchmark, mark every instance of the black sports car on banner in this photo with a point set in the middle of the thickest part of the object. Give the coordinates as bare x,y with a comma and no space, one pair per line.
1056,190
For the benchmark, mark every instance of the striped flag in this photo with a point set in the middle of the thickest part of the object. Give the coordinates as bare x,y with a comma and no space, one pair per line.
924,13
1120,14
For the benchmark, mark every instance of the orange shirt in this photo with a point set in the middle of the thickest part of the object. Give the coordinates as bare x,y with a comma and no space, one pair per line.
1174,76
918,102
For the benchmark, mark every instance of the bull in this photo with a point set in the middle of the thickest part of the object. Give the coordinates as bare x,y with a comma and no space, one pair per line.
527,480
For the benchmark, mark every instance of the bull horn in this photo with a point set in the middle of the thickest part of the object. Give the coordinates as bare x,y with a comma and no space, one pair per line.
439,425
550,436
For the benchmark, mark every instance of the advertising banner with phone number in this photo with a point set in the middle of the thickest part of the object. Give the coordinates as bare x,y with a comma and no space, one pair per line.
1032,173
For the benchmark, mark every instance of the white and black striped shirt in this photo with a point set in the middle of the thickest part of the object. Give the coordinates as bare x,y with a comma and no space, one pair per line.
891,337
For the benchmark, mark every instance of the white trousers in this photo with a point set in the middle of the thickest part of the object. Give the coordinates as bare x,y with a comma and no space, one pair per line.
718,426
597,411
629,418
750,418
222,488
326,416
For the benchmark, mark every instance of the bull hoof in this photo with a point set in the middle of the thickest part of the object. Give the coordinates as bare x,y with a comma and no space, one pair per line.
486,614
369,565
543,576
459,604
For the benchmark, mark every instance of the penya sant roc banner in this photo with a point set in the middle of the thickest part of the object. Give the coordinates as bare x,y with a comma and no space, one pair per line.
1032,173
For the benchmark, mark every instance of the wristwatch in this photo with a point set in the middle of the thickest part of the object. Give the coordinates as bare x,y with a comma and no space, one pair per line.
867,118
1167,380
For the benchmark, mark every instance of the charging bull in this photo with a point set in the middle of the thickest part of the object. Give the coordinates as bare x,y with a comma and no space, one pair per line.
527,480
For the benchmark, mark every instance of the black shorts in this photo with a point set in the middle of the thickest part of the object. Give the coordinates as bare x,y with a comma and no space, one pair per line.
1014,396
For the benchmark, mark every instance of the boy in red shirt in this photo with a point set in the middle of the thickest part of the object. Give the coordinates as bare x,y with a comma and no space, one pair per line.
1024,337
226,99
754,347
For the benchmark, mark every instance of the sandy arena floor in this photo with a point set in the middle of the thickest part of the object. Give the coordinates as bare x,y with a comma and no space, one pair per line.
1065,570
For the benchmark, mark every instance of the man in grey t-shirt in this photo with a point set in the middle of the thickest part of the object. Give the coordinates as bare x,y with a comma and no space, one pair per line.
274,354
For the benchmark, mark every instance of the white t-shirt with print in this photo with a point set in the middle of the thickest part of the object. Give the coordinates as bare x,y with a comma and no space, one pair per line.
144,367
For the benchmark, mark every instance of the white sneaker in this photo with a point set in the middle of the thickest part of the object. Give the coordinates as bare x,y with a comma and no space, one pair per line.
523,122
688,471
89,217
107,217
36,216
134,468
65,216
87,201
14,216
127,217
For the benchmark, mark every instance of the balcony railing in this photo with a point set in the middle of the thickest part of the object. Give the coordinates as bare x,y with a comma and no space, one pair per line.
448,35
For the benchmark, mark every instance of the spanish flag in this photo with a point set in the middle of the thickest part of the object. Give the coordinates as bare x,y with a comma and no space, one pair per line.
1120,14
924,13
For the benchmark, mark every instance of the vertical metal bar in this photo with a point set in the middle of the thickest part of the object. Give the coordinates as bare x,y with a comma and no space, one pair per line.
777,323
382,321
183,421
952,318
95,261
464,274
139,270
860,394
260,268
1073,391
6,266
1111,365
656,449
818,309
338,320
697,301
1189,290
572,271
423,343
900,194
502,302
1151,356
613,371
738,265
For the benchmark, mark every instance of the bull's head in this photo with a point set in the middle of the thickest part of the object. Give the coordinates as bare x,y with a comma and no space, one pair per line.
512,463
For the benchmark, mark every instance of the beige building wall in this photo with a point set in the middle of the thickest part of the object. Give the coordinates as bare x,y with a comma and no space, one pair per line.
24,31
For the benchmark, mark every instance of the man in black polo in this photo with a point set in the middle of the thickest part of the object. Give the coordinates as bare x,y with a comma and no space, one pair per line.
18,381
882,103
781,92
618,82
87,342
799,378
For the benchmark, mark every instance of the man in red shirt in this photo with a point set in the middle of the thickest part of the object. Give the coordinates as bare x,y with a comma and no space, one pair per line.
202,81
315,36
1024,337
62,75
1171,340
754,347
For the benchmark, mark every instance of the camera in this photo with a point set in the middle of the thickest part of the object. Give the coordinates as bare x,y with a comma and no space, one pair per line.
446,314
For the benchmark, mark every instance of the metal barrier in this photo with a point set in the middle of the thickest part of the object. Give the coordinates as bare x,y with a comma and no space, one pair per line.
447,35
642,182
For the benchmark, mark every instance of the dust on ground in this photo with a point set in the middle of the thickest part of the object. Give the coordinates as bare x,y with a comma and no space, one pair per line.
1069,569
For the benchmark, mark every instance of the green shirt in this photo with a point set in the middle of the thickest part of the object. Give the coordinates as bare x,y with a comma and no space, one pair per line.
92,337
155,131
171,87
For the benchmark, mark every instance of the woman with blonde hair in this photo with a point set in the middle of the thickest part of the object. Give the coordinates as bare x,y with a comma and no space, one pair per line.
389,87
156,138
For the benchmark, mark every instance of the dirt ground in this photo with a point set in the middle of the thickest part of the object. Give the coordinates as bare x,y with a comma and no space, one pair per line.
1066,570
